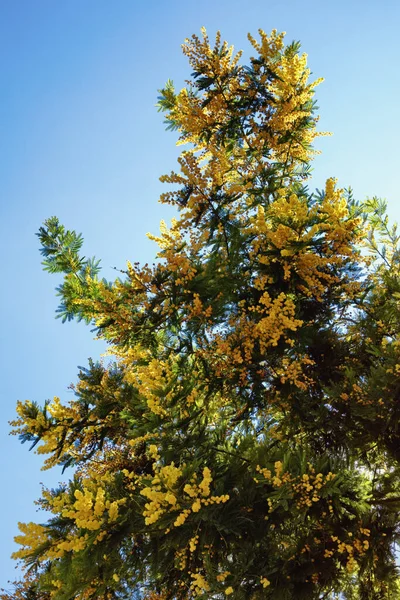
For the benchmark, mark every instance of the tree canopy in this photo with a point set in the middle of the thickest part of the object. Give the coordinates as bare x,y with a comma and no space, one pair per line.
242,438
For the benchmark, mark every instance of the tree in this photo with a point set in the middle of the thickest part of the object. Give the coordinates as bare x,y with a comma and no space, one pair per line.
244,438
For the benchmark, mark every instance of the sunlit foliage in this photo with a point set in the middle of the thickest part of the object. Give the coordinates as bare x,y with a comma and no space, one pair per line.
242,438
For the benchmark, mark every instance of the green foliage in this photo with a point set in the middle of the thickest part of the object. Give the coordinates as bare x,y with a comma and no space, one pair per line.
60,247
244,438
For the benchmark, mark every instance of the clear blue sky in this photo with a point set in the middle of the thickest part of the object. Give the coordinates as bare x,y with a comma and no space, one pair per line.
81,139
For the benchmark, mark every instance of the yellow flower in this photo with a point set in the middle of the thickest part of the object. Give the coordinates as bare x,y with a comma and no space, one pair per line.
229,591
265,582
196,505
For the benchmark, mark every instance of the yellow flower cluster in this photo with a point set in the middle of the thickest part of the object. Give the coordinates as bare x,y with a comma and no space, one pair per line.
151,380
279,133
357,394
164,491
307,488
199,584
161,492
254,329
201,495
352,547
223,576
169,237
197,308
56,430
270,46
89,508
265,582
51,434
193,543
290,226
266,473
292,100
33,536
292,370
73,543
280,318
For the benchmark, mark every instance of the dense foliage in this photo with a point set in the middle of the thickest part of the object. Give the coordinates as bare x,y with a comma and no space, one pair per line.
243,440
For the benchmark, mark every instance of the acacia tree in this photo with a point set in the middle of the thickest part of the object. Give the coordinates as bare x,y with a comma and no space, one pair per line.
244,438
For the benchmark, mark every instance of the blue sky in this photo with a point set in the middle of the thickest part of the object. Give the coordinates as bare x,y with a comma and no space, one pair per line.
81,139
